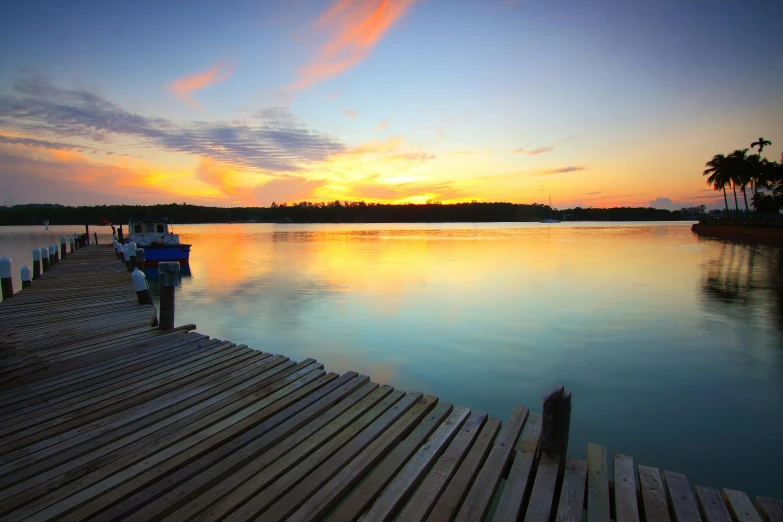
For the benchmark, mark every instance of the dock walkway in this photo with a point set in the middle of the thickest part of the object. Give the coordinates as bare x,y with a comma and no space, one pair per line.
103,417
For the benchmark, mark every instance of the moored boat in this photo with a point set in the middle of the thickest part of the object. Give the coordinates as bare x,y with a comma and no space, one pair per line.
156,236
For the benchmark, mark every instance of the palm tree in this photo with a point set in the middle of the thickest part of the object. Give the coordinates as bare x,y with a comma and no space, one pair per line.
760,144
718,176
738,161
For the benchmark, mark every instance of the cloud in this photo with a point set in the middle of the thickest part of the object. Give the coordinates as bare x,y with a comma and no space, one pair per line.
462,153
220,176
351,113
534,152
279,142
286,190
563,170
184,86
382,125
594,193
353,28
31,142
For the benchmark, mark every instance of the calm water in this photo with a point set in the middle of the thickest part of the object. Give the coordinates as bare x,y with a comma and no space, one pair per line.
672,345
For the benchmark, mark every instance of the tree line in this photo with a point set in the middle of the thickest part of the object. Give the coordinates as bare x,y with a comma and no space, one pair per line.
739,170
331,212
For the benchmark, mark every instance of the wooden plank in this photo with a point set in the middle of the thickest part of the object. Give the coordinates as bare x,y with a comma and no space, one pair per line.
678,493
393,496
281,499
327,496
570,507
625,506
771,509
479,497
519,483
234,490
365,493
740,506
597,484
428,492
711,505
176,449
542,496
449,502
653,495
187,482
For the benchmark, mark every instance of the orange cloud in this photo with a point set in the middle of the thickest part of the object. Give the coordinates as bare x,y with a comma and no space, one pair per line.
354,28
533,152
184,87
350,113
382,125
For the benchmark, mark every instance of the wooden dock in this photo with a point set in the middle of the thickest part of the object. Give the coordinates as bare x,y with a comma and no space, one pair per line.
104,417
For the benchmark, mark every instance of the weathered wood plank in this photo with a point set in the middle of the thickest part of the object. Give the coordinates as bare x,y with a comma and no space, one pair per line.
542,496
393,496
771,509
678,493
740,506
653,495
479,497
423,499
519,483
711,505
597,484
625,506
570,507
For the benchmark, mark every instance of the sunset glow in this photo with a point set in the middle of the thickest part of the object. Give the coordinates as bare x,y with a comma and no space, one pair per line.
383,101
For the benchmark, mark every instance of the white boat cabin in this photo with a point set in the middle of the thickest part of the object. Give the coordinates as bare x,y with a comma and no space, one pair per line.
148,231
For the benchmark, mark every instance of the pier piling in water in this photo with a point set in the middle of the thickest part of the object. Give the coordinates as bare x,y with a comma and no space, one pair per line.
130,256
141,287
63,247
56,255
556,422
6,282
27,276
36,263
168,273
140,259
44,259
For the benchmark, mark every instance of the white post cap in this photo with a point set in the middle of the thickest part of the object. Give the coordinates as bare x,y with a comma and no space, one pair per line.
63,240
45,250
27,273
52,249
139,280
126,252
36,254
168,271
75,235
5,267
132,248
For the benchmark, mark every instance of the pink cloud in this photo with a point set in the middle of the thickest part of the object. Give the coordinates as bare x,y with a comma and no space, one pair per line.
184,86
382,125
354,27
350,113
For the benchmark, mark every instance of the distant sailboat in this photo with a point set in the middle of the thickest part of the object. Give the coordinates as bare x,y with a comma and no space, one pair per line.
550,219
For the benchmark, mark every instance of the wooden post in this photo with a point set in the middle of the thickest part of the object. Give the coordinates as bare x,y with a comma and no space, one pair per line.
141,287
52,250
168,273
556,422
95,235
130,256
63,247
36,263
27,276
140,258
86,234
56,256
6,283
119,234
44,259
73,244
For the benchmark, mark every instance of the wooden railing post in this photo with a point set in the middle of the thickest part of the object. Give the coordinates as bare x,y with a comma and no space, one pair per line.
556,421
6,283
63,247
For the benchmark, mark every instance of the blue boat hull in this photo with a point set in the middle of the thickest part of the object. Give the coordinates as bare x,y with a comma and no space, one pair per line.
154,254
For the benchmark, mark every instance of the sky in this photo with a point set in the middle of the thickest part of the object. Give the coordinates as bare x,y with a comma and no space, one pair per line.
244,103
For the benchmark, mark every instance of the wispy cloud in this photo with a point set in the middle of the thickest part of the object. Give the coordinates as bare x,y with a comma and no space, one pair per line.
382,125
353,28
462,153
594,193
563,170
278,142
351,113
184,86
533,152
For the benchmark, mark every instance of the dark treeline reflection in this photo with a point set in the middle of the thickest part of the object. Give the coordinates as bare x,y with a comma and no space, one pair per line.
745,279
333,212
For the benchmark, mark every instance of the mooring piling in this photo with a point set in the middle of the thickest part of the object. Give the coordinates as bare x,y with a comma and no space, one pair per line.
27,276
44,259
6,282
36,263
168,272
63,247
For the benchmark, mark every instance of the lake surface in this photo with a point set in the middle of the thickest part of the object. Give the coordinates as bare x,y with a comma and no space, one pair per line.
672,344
